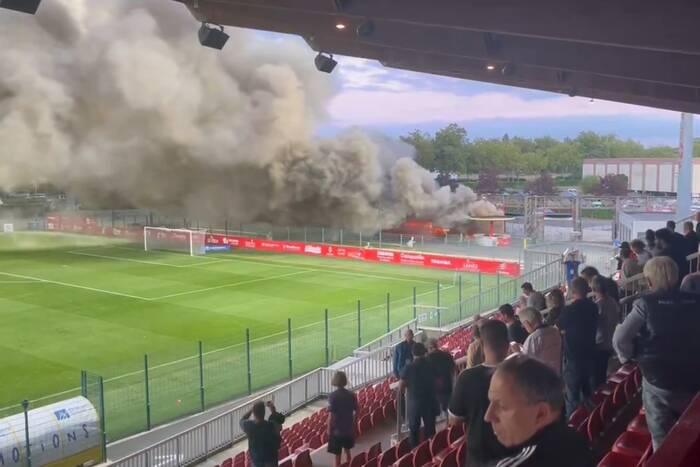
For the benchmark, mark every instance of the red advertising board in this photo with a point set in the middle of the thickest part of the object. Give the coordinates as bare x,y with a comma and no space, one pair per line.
76,224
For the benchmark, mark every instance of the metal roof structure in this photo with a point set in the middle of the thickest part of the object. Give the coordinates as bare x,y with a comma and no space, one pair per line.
644,52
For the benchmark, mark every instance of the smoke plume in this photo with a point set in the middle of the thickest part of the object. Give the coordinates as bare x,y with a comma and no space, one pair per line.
116,101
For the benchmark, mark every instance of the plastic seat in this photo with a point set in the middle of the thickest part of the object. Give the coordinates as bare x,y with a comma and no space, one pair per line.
595,425
450,459
374,451
283,452
630,388
422,454
303,459
638,424
389,411
627,368
403,447
455,433
377,416
227,463
405,461
632,444
315,442
462,454
286,463
615,459
578,417
439,442
359,460
296,444
619,396
607,411
372,463
364,425
388,457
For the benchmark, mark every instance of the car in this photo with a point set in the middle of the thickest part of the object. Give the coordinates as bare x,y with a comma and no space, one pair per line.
597,204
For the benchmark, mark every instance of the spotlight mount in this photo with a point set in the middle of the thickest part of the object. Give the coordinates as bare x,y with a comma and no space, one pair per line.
213,37
365,29
325,62
25,6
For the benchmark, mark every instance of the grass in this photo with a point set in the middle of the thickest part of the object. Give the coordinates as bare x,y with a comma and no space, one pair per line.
598,213
70,303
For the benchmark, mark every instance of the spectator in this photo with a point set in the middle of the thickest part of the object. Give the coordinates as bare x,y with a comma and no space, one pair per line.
625,248
579,322
555,305
588,273
470,398
661,333
533,298
650,238
525,411
608,318
670,245
418,379
342,418
691,284
671,226
445,368
643,255
543,343
692,242
516,332
402,353
264,438
475,351
630,267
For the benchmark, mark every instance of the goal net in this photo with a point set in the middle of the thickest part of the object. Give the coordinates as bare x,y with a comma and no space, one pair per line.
188,241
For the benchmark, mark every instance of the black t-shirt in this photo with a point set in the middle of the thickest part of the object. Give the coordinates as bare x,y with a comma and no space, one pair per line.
516,332
579,321
264,438
420,378
556,445
470,400
444,366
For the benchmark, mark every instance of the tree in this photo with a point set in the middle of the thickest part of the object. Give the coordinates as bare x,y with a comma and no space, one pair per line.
542,185
450,149
425,151
590,184
488,182
613,185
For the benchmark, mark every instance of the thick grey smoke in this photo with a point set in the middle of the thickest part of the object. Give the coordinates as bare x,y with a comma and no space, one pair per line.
115,100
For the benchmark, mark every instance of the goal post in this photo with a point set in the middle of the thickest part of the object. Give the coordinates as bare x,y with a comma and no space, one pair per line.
188,241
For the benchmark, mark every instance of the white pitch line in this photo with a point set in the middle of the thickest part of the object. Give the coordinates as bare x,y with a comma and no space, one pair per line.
143,261
76,286
233,284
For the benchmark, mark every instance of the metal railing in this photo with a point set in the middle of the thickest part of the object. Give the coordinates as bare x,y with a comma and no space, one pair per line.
200,442
389,339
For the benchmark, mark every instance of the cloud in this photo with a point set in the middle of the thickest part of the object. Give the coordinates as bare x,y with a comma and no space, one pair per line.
380,107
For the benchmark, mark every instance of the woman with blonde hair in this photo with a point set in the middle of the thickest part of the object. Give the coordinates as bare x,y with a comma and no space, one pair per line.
342,414
661,334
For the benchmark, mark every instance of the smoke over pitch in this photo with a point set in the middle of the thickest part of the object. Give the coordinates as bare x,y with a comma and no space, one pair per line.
116,101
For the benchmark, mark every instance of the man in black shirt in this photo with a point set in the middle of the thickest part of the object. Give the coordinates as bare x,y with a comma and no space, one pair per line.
525,411
470,398
579,323
263,436
516,331
692,242
445,368
418,379
673,245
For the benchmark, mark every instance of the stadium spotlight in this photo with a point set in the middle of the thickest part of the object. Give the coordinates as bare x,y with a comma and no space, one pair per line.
325,63
212,37
340,26
25,6
490,67
365,29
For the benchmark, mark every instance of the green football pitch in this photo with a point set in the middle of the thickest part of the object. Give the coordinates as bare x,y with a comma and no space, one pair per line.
72,303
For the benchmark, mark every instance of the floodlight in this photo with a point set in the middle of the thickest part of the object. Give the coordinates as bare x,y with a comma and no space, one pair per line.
212,37
325,63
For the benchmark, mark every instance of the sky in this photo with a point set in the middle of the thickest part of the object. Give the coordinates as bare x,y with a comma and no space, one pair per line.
395,102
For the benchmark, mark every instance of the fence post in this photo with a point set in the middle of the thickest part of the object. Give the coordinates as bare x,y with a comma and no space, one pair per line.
380,238
341,236
359,326
201,376
438,295
498,289
289,346
103,422
83,383
388,312
479,311
304,234
148,393
247,357
414,303
460,297
323,235
25,407
325,319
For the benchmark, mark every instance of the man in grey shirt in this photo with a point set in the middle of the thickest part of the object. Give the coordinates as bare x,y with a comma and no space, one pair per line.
543,343
532,297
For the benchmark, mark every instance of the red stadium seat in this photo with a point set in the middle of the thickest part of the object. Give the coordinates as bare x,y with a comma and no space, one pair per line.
372,462
303,459
388,457
439,442
619,396
638,424
462,454
607,410
315,442
377,416
632,444
615,459
364,425
456,432
405,461
595,425
359,460
227,463
422,454
286,463
403,447
389,411
283,452
578,417
450,459
374,451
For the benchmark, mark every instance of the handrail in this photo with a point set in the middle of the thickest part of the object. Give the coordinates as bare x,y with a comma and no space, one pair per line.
388,339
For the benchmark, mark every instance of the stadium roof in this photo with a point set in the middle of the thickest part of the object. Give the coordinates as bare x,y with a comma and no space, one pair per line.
644,52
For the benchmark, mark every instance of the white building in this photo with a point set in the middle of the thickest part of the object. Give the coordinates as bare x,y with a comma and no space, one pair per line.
643,174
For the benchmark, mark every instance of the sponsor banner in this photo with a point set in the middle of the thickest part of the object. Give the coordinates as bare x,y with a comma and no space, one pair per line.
407,258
